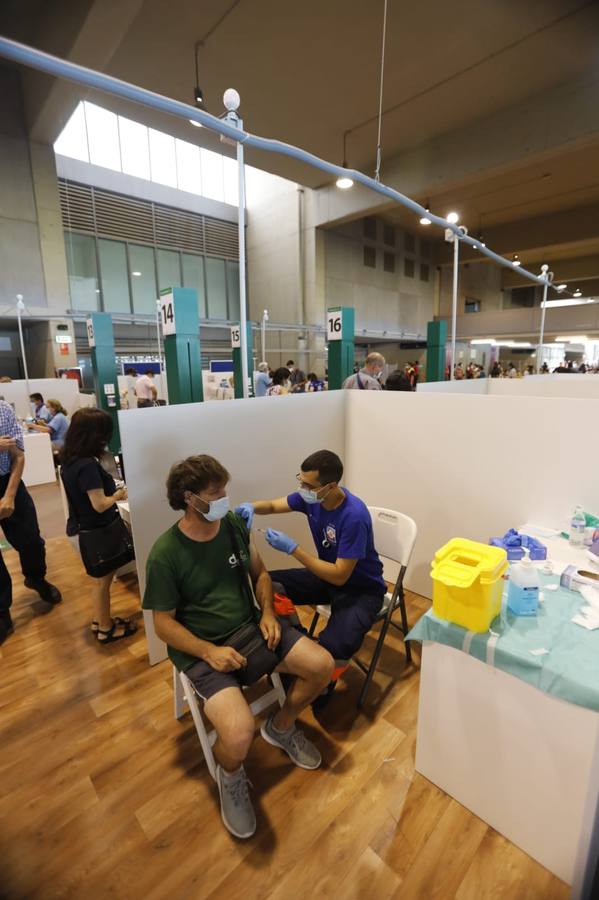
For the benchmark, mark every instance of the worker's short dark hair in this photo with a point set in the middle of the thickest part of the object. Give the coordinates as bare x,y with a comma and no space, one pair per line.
326,463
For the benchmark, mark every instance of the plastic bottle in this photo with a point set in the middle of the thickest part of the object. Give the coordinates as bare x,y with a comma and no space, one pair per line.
523,590
577,527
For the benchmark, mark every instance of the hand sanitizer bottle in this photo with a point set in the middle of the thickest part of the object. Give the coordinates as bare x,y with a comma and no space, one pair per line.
523,590
577,528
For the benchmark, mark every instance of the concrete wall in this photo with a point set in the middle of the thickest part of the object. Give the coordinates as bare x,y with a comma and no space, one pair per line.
477,281
32,257
382,300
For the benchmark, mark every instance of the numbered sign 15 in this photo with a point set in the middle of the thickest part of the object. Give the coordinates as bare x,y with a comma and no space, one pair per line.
91,339
235,336
334,325
167,314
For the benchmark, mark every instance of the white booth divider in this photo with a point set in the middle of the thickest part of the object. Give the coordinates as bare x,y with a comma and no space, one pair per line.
261,444
584,387
470,466
64,389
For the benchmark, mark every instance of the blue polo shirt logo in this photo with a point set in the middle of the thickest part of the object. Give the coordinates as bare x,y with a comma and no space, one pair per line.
331,534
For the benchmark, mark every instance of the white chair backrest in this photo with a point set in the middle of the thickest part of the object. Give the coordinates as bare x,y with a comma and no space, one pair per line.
394,539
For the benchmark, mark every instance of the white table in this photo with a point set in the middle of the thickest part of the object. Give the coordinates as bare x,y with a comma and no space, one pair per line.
39,462
519,759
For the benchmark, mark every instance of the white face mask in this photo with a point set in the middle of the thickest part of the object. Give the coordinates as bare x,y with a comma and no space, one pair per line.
217,509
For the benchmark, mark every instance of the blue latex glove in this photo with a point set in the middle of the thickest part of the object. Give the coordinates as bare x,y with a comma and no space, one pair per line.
246,511
280,541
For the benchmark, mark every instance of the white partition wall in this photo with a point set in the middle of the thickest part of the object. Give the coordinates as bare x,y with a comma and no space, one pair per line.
261,444
64,389
559,385
469,466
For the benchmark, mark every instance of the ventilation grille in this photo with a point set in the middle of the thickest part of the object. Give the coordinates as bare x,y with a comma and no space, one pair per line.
110,215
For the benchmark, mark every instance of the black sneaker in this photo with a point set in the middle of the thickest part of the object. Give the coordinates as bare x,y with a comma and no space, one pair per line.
48,592
323,699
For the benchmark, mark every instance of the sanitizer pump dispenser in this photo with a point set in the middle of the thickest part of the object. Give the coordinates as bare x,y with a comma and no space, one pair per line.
523,590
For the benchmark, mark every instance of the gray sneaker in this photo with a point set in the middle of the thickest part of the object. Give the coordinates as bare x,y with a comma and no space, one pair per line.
295,744
235,805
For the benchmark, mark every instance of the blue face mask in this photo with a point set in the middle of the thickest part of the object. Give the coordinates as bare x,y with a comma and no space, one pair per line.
217,509
310,496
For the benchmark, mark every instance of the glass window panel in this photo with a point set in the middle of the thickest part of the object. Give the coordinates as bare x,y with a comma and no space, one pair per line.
163,161
103,137
193,277
143,278
83,271
72,141
113,272
231,181
233,289
135,150
212,175
169,270
216,287
189,175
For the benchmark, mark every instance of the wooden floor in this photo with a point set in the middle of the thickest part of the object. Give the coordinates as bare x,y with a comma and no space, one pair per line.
104,794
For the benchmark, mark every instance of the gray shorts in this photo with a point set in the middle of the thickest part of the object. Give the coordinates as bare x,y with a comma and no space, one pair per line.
208,682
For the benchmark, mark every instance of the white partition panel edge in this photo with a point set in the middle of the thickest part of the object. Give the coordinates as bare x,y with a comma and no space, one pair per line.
260,441
585,387
469,466
466,386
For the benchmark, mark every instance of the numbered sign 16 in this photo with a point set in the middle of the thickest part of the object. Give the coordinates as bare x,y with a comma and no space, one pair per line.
167,314
235,336
334,325
91,339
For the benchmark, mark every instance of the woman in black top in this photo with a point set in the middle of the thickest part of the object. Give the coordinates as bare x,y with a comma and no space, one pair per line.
92,493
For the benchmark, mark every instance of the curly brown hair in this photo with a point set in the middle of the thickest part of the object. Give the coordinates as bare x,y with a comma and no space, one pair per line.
193,474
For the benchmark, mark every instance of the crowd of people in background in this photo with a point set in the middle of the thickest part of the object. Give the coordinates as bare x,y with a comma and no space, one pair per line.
290,379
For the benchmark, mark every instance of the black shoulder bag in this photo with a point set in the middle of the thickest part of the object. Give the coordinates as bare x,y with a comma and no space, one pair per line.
104,549
248,639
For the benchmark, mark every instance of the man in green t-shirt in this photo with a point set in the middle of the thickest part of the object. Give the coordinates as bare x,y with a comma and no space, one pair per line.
194,588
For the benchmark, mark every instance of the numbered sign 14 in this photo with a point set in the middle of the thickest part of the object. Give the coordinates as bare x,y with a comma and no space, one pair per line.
91,340
235,337
167,314
334,325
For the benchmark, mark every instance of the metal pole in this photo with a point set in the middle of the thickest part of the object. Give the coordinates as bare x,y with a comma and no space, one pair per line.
263,334
242,276
160,357
544,270
20,308
454,307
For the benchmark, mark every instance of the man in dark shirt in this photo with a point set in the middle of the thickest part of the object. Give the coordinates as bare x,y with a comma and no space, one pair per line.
18,520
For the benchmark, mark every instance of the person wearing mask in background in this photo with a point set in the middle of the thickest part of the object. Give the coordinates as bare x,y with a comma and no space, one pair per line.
92,495
262,381
398,381
346,573
56,426
131,376
314,384
197,586
481,372
458,373
18,520
40,412
297,378
512,372
368,378
496,370
545,369
280,383
145,390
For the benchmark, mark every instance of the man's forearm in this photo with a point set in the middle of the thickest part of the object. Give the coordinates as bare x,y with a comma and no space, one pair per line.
263,591
325,570
180,638
18,464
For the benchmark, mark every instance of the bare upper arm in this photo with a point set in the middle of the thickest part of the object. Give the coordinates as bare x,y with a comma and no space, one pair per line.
256,563
97,498
159,614
280,506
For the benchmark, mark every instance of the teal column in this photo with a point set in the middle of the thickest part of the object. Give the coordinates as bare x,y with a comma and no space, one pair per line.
436,356
340,335
100,338
181,331
237,371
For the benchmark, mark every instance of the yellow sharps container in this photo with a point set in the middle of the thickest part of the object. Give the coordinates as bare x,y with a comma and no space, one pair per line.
468,583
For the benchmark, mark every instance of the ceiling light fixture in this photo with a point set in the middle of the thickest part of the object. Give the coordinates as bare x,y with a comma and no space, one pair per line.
571,339
424,220
561,287
344,182
453,218
137,274
516,260
198,94
577,293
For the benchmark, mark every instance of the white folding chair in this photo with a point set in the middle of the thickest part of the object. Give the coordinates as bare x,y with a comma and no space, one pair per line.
184,692
394,539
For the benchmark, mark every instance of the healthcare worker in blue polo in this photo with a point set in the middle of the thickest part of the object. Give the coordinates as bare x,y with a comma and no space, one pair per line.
346,572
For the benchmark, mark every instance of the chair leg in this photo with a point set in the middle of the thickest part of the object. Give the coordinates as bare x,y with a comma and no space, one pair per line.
178,695
313,624
203,735
405,626
373,662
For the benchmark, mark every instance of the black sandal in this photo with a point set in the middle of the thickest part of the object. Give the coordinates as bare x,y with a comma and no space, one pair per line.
110,636
95,626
